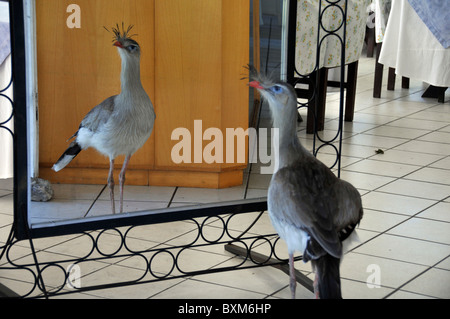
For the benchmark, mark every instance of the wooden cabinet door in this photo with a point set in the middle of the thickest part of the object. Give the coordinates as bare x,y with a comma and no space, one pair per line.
193,54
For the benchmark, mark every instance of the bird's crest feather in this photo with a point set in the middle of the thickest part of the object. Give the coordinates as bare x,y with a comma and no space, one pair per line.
118,35
261,77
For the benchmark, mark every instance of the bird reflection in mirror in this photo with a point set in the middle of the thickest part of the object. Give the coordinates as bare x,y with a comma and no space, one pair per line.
122,123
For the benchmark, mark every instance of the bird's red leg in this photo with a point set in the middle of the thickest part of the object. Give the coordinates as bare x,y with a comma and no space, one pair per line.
111,184
122,180
293,280
316,287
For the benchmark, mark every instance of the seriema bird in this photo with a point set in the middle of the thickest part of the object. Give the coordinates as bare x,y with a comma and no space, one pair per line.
311,209
121,124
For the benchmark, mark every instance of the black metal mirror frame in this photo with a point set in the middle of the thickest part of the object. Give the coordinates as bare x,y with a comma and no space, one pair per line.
243,244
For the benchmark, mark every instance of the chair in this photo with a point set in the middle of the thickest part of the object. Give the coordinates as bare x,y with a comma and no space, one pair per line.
319,76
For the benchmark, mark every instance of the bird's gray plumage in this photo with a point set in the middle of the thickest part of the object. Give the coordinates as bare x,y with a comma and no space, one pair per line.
308,205
99,115
300,187
122,123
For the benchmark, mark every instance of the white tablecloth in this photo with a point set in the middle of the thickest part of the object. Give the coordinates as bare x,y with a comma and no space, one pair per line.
381,9
330,51
411,48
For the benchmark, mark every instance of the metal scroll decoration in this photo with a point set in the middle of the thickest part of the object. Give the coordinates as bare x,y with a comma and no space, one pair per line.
112,249
295,77
10,117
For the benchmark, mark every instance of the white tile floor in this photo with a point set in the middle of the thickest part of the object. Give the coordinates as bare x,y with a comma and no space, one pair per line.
404,235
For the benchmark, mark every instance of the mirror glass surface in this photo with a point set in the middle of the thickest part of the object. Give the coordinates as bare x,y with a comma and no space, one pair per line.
75,202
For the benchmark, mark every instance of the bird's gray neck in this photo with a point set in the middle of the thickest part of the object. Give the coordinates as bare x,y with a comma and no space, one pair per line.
130,76
290,148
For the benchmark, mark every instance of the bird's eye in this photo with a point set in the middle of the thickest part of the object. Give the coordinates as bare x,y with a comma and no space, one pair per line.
277,89
132,48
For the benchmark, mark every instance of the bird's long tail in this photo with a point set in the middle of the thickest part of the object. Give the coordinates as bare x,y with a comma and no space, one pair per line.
327,272
68,155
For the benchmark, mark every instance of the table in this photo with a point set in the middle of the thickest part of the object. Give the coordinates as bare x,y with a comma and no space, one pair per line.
307,34
330,51
412,49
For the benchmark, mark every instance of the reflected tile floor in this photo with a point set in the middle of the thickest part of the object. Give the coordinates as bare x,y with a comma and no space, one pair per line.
404,236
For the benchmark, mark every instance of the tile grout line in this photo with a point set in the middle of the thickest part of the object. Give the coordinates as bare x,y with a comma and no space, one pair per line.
390,228
95,200
173,196
415,277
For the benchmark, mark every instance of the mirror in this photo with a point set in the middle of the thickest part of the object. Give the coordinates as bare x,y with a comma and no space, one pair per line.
202,106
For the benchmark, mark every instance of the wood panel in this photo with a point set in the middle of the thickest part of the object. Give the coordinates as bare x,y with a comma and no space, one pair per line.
196,178
235,49
201,48
188,77
79,68
193,54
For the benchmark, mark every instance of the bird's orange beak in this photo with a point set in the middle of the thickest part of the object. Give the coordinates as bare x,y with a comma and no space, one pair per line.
256,85
118,44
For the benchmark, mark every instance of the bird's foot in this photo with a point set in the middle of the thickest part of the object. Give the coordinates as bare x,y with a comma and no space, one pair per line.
316,287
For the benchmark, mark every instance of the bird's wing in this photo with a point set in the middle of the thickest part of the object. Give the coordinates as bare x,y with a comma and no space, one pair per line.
99,115
303,195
